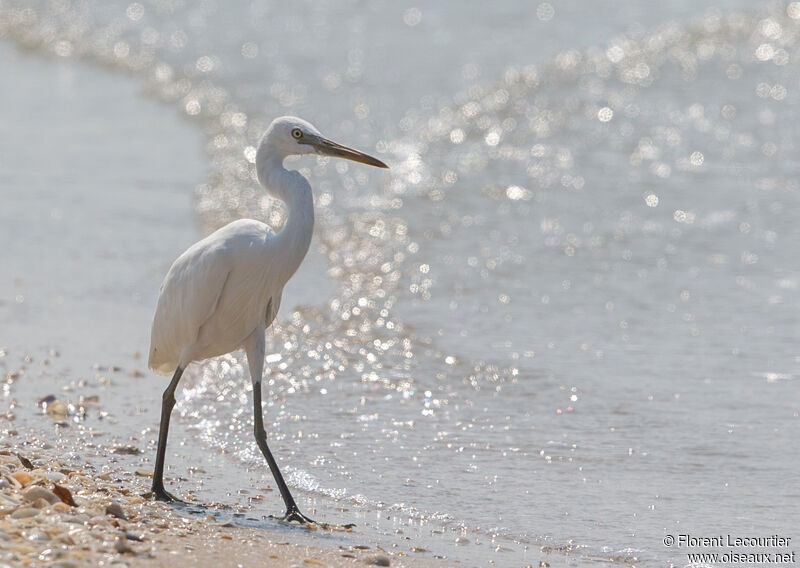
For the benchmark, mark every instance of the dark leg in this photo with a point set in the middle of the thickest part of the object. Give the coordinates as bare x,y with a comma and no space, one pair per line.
167,403
292,512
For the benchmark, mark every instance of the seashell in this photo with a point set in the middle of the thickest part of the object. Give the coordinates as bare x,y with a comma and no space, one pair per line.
57,410
8,501
22,477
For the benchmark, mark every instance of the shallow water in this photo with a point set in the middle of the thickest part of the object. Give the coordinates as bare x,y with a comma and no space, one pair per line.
85,239
566,318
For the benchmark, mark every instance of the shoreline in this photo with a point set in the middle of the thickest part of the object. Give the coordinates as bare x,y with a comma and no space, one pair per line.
54,514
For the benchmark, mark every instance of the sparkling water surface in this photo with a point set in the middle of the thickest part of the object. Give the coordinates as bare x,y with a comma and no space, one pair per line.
562,326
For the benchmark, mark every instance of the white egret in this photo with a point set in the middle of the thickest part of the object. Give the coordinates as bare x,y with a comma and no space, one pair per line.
224,291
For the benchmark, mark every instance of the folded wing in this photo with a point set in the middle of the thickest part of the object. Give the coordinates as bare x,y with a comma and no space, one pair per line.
189,295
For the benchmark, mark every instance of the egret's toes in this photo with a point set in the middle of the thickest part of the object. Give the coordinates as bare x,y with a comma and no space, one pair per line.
295,515
161,494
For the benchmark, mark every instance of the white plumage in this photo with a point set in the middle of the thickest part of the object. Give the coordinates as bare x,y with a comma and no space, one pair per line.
225,290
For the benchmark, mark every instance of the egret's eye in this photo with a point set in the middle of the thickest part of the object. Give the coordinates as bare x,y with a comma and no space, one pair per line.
297,133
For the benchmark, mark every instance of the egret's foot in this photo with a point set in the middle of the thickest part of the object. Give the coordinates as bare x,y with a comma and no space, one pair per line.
161,494
294,514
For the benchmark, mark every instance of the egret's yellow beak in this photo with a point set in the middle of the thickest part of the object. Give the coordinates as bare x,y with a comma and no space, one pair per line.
331,148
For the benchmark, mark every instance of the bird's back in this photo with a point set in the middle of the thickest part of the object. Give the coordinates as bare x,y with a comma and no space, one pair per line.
194,285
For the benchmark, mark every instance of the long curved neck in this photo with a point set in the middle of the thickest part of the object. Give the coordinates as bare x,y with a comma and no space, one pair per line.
294,190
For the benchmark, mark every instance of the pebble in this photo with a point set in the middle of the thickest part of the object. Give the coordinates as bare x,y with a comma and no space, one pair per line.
127,450
65,539
36,492
121,545
380,560
38,536
20,548
99,521
115,510
55,476
61,507
41,503
24,513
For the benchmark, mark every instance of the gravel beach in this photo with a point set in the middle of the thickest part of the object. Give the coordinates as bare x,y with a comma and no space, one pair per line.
54,514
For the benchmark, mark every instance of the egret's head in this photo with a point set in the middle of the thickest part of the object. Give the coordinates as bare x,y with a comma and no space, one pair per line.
289,135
